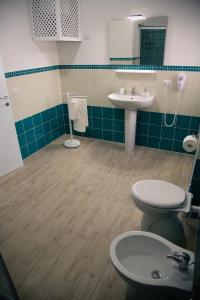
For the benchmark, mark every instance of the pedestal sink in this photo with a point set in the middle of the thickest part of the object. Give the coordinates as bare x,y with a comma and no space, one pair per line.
131,103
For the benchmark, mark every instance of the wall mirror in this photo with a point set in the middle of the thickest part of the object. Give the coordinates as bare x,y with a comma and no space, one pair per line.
138,42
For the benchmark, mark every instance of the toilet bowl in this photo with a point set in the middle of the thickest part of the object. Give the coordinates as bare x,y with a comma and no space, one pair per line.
160,202
140,258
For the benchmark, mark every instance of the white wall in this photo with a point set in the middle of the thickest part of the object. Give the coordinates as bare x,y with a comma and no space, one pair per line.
183,38
16,46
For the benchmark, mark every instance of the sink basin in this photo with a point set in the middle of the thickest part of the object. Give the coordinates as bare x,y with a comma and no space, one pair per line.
131,103
135,102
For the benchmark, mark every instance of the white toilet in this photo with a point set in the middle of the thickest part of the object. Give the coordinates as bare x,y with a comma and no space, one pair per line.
160,201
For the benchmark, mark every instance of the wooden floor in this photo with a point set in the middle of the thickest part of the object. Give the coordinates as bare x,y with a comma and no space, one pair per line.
60,212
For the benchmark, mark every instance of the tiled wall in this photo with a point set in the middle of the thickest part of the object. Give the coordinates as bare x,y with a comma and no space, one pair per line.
105,123
108,124
40,129
152,132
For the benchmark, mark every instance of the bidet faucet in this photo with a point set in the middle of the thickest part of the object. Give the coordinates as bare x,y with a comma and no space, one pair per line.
181,258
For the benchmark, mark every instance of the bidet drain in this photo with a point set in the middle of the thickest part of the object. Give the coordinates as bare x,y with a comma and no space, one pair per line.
156,274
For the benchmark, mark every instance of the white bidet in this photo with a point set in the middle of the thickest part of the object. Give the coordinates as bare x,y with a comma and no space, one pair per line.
143,260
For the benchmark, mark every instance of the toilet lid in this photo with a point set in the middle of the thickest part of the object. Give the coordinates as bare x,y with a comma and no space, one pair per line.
158,193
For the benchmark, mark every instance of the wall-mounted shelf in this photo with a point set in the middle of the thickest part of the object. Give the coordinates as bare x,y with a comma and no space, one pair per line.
135,71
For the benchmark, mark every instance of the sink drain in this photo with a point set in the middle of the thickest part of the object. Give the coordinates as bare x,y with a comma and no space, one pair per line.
156,274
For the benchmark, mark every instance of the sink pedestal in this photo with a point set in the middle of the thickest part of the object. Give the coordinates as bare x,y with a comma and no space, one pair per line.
130,129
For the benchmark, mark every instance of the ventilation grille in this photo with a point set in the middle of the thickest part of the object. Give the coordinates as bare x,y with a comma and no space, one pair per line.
44,18
69,18
55,19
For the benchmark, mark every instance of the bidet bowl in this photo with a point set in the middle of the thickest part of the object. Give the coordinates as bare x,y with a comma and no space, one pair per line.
138,256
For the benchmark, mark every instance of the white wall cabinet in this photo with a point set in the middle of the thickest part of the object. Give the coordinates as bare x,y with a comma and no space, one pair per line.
55,20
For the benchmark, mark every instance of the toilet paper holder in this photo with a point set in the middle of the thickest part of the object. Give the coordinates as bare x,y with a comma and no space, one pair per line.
190,143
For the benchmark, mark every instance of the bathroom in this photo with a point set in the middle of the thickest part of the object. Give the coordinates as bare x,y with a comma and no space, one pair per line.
62,209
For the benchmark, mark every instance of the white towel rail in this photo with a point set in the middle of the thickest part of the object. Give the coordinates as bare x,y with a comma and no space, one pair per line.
72,143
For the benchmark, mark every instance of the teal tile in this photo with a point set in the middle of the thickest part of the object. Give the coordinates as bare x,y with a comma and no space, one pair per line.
108,135
141,140
153,142
178,146
166,144
195,123
167,132
48,138
108,124
45,116
67,129
47,127
24,152
30,136
118,125
119,114
39,132
55,134
97,112
54,123
183,121
28,123
59,110
89,109
65,109
97,123
155,118
108,113
97,133
22,140
142,129
61,120
32,147
52,113
62,130
66,119
37,119
41,142
180,133
90,122
89,132
119,137
154,130
19,127
143,117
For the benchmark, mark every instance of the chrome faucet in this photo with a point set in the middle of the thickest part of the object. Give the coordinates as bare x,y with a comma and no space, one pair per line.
181,258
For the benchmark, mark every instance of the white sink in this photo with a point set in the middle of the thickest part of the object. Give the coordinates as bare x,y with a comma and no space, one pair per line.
134,102
131,103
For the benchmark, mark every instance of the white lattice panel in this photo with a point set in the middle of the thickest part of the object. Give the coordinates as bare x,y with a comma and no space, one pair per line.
69,18
55,20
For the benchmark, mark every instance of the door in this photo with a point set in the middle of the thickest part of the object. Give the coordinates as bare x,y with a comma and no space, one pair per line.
10,156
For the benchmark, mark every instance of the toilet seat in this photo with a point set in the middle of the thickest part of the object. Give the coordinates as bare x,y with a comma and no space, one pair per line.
158,193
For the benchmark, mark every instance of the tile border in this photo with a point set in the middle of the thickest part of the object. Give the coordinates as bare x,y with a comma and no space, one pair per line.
31,71
131,67
101,67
